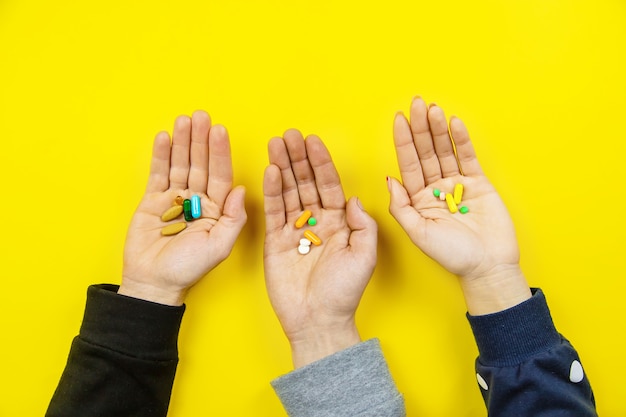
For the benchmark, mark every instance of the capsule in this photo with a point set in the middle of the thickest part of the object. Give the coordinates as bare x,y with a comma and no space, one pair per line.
451,204
463,210
304,217
304,249
313,238
312,221
196,207
187,210
458,193
437,192
442,196
179,200
305,242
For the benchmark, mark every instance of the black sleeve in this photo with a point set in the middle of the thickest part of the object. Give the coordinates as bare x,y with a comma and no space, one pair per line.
124,360
526,368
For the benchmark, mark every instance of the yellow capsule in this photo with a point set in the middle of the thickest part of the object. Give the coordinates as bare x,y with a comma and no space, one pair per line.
171,213
304,217
451,204
458,193
313,238
172,229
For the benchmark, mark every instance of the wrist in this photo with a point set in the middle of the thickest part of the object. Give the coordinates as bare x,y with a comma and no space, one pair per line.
498,289
315,343
152,293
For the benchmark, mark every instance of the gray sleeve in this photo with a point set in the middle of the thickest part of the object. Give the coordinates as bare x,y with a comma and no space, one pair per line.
353,382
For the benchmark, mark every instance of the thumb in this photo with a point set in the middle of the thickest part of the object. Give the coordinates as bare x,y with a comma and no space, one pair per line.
230,223
400,206
364,230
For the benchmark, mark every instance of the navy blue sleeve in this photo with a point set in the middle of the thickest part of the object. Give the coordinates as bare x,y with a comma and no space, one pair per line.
124,360
525,367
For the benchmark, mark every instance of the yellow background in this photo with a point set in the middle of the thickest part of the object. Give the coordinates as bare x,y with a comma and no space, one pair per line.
84,86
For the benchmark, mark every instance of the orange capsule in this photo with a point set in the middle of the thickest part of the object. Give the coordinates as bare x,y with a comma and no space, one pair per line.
304,217
313,238
179,200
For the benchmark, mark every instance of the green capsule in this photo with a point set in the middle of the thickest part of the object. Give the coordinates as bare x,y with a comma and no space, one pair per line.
312,221
436,192
187,210
463,209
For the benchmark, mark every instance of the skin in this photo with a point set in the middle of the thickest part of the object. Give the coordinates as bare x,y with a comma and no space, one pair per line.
479,247
197,160
315,296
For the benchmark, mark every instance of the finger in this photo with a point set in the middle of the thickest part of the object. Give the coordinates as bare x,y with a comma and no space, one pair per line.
442,141
278,155
179,165
160,164
464,148
423,140
364,231
408,161
401,209
199,152
273,203
302,170
327,179
220,180
225,232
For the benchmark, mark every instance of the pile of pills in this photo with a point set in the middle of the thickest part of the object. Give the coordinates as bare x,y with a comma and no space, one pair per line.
309,237
191,209
452,199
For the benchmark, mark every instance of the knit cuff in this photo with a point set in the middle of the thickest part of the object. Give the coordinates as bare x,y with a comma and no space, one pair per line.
354,381
509,337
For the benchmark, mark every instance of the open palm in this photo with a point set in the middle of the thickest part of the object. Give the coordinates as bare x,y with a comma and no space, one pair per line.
198,161
468,245
321,289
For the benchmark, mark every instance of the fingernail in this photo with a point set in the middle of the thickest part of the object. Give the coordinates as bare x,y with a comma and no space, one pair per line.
417,97
388,184
358,203
431,105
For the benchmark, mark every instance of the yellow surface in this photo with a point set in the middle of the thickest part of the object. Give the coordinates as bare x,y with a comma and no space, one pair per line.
85,86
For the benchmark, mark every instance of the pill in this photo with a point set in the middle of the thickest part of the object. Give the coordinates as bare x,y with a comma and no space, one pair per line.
442,196
179,200
312,221
303,218
451,204
172,229
313,238
187,210
171,213
436,192
463,210
196,207
305,242
458,193
304,249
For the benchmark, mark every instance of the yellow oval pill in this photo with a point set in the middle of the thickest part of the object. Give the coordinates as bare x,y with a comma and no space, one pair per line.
451,204
172,229
458,193
304,217
171,213
313,238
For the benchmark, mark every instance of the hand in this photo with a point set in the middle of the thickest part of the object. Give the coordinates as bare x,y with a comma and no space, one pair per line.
162,268
315,295
480,246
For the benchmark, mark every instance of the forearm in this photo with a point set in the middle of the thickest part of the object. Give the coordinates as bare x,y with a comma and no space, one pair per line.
526,367
124,360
